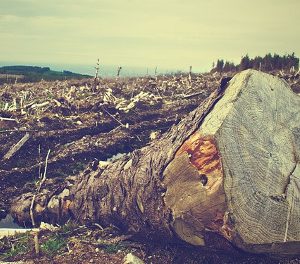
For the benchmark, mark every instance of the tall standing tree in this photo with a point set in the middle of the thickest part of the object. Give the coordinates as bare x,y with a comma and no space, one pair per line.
245,63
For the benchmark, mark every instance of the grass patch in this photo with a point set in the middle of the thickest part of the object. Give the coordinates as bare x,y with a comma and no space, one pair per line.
68,228
53,245
113,248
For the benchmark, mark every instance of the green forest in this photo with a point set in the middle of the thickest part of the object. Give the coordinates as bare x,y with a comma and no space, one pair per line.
267,63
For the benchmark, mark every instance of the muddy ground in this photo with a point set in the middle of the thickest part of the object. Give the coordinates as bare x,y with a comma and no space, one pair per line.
81,122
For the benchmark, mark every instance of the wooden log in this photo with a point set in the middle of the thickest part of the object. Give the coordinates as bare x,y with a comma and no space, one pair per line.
230,168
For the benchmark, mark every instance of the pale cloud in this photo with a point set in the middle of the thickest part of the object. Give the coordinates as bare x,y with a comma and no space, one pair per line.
171,34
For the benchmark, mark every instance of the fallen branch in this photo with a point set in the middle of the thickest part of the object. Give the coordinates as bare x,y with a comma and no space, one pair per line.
7,119
38,190
113,117
39,105
16,147
192,95
45,172
31,210
19,130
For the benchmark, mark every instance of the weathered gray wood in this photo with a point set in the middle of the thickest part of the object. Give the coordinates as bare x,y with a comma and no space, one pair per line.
256,126
259,140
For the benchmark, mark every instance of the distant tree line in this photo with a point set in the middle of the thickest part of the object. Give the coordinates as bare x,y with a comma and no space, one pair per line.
267,63
23,69
35,74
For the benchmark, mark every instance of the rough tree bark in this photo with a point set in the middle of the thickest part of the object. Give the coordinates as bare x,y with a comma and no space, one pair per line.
231,167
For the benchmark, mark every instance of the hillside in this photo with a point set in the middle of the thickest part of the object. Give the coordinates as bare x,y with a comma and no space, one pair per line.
12,74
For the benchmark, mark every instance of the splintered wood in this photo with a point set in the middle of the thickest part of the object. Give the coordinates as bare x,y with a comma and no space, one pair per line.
203,155
195,193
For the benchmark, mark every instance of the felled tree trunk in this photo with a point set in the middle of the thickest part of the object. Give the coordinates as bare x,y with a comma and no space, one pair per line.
231,167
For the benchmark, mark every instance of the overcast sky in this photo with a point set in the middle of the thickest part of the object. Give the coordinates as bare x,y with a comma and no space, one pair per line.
164,33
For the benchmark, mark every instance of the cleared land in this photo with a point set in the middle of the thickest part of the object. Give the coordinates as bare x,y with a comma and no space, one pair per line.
80,121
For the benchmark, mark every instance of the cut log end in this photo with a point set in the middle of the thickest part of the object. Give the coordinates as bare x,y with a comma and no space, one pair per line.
238,174
195,193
